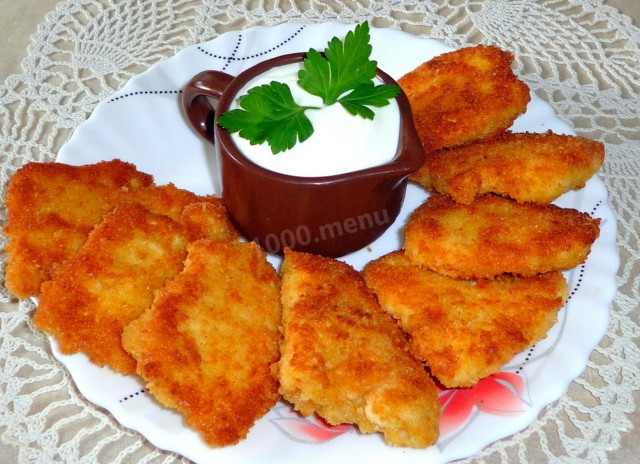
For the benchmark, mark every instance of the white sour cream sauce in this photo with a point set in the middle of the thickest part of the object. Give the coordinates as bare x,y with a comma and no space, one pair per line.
340,143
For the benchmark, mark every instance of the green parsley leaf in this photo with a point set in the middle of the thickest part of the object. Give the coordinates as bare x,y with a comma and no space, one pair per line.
269,113
357,101
344,74
346,66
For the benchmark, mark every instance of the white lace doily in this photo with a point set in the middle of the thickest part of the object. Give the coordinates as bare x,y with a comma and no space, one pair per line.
579,55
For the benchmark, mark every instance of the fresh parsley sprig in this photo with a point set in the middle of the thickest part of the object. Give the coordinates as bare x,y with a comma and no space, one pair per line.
344,75
347,65
269,114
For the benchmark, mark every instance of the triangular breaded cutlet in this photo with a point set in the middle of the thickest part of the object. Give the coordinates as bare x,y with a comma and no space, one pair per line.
207,344
109,282
347,360
465,329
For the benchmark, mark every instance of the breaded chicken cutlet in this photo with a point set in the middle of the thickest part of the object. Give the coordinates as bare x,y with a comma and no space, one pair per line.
110,281
207,344
52,207
464,95
465,330
496,235
345,359
523,166
208,219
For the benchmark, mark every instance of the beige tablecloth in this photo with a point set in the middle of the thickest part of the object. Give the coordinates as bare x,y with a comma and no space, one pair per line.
582,57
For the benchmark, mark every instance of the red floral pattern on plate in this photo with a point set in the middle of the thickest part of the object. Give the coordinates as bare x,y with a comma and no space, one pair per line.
312,429
501,394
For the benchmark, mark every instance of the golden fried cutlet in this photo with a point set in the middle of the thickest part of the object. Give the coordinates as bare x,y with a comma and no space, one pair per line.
526,167
109,282
53,207
208,219
168,200
207,344
464,95
344,358
496,235
465,329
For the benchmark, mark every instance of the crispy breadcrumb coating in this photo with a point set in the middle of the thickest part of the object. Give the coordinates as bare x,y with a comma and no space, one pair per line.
207,344
466,330
464,95
347,360
208,219
496,235
109,282
526,167
52,207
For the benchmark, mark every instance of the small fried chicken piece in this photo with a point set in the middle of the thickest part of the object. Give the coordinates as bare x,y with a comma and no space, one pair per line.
464,95
168,200
526,167
208,219
344,358
207,344
496,235
466,330
109,282
54,206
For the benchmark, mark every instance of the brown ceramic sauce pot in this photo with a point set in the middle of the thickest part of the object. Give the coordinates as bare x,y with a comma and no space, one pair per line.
331,215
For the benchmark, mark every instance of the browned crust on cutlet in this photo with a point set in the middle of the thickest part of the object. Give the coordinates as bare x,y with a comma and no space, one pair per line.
465,330
53,207
168,200
496,235
207,344
523,166
109,282
344,358
208,219
464,95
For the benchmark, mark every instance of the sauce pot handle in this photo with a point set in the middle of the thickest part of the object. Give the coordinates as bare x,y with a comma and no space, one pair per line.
195,100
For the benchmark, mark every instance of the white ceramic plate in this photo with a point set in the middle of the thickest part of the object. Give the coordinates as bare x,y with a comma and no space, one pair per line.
143,124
